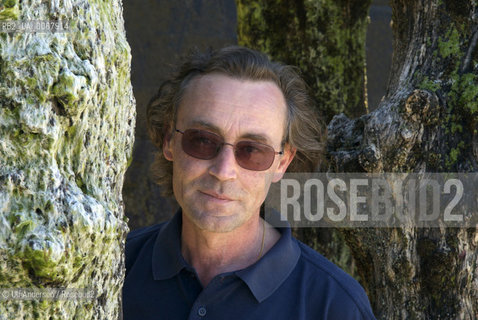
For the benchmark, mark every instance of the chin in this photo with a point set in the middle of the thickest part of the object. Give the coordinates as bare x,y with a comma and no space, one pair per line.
215,222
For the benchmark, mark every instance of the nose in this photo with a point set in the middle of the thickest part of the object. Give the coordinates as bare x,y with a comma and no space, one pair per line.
224,166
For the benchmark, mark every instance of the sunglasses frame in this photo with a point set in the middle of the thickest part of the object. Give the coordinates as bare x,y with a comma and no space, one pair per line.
221,145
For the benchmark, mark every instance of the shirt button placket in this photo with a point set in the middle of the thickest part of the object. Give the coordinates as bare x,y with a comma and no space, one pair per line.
202,311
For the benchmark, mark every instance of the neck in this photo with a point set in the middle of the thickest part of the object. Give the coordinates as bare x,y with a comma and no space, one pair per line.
213,253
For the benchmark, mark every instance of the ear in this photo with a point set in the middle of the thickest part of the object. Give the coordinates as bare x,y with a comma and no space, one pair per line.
167,146
286,159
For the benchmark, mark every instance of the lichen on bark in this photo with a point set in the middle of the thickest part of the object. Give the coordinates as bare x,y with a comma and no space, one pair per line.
427,122
66,134
9,9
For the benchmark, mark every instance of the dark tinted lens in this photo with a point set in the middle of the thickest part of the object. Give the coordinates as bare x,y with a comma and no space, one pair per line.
254,156
201,144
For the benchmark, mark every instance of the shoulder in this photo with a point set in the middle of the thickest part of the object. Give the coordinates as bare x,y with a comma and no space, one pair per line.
321,265
346,298
143,233
137,240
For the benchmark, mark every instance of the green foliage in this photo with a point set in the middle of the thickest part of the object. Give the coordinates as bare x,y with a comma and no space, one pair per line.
462,102
464,92
450,44
453,156
456,127
429,85
458,89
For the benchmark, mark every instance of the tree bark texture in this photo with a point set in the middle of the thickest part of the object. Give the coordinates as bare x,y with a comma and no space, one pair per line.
426,123
324,38
66,134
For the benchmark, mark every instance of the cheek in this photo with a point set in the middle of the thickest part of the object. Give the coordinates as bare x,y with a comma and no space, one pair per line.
258,184
187,171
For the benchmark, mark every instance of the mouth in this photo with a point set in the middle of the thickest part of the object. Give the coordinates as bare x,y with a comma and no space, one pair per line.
217,195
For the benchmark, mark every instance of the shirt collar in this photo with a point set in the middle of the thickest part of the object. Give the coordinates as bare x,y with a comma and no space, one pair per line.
262,278
267,274
167,259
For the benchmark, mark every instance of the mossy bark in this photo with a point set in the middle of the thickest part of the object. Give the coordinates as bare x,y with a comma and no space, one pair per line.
426,123
324,38
66,134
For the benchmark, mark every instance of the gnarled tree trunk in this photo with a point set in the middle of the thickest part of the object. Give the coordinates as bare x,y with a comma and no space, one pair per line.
66,133
426,123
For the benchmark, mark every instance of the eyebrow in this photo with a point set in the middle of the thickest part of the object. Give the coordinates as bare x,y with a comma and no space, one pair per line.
251,136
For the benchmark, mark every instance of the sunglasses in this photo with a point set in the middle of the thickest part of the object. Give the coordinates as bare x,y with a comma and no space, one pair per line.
206,145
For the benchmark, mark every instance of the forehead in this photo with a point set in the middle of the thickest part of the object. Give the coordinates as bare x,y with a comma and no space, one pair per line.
234,106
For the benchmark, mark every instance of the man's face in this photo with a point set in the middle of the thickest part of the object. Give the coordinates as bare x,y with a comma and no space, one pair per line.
219,195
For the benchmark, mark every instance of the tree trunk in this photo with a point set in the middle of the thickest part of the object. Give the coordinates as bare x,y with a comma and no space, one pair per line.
66,133
324,38
426,123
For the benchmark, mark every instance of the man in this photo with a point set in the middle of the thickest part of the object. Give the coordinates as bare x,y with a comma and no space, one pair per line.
228,125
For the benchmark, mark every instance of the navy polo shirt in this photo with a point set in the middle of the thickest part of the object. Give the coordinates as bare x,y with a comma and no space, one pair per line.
291,282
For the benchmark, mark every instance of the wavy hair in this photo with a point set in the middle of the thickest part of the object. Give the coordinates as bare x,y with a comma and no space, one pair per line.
304,130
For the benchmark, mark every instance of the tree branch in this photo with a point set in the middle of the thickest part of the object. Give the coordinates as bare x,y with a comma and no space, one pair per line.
473,44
